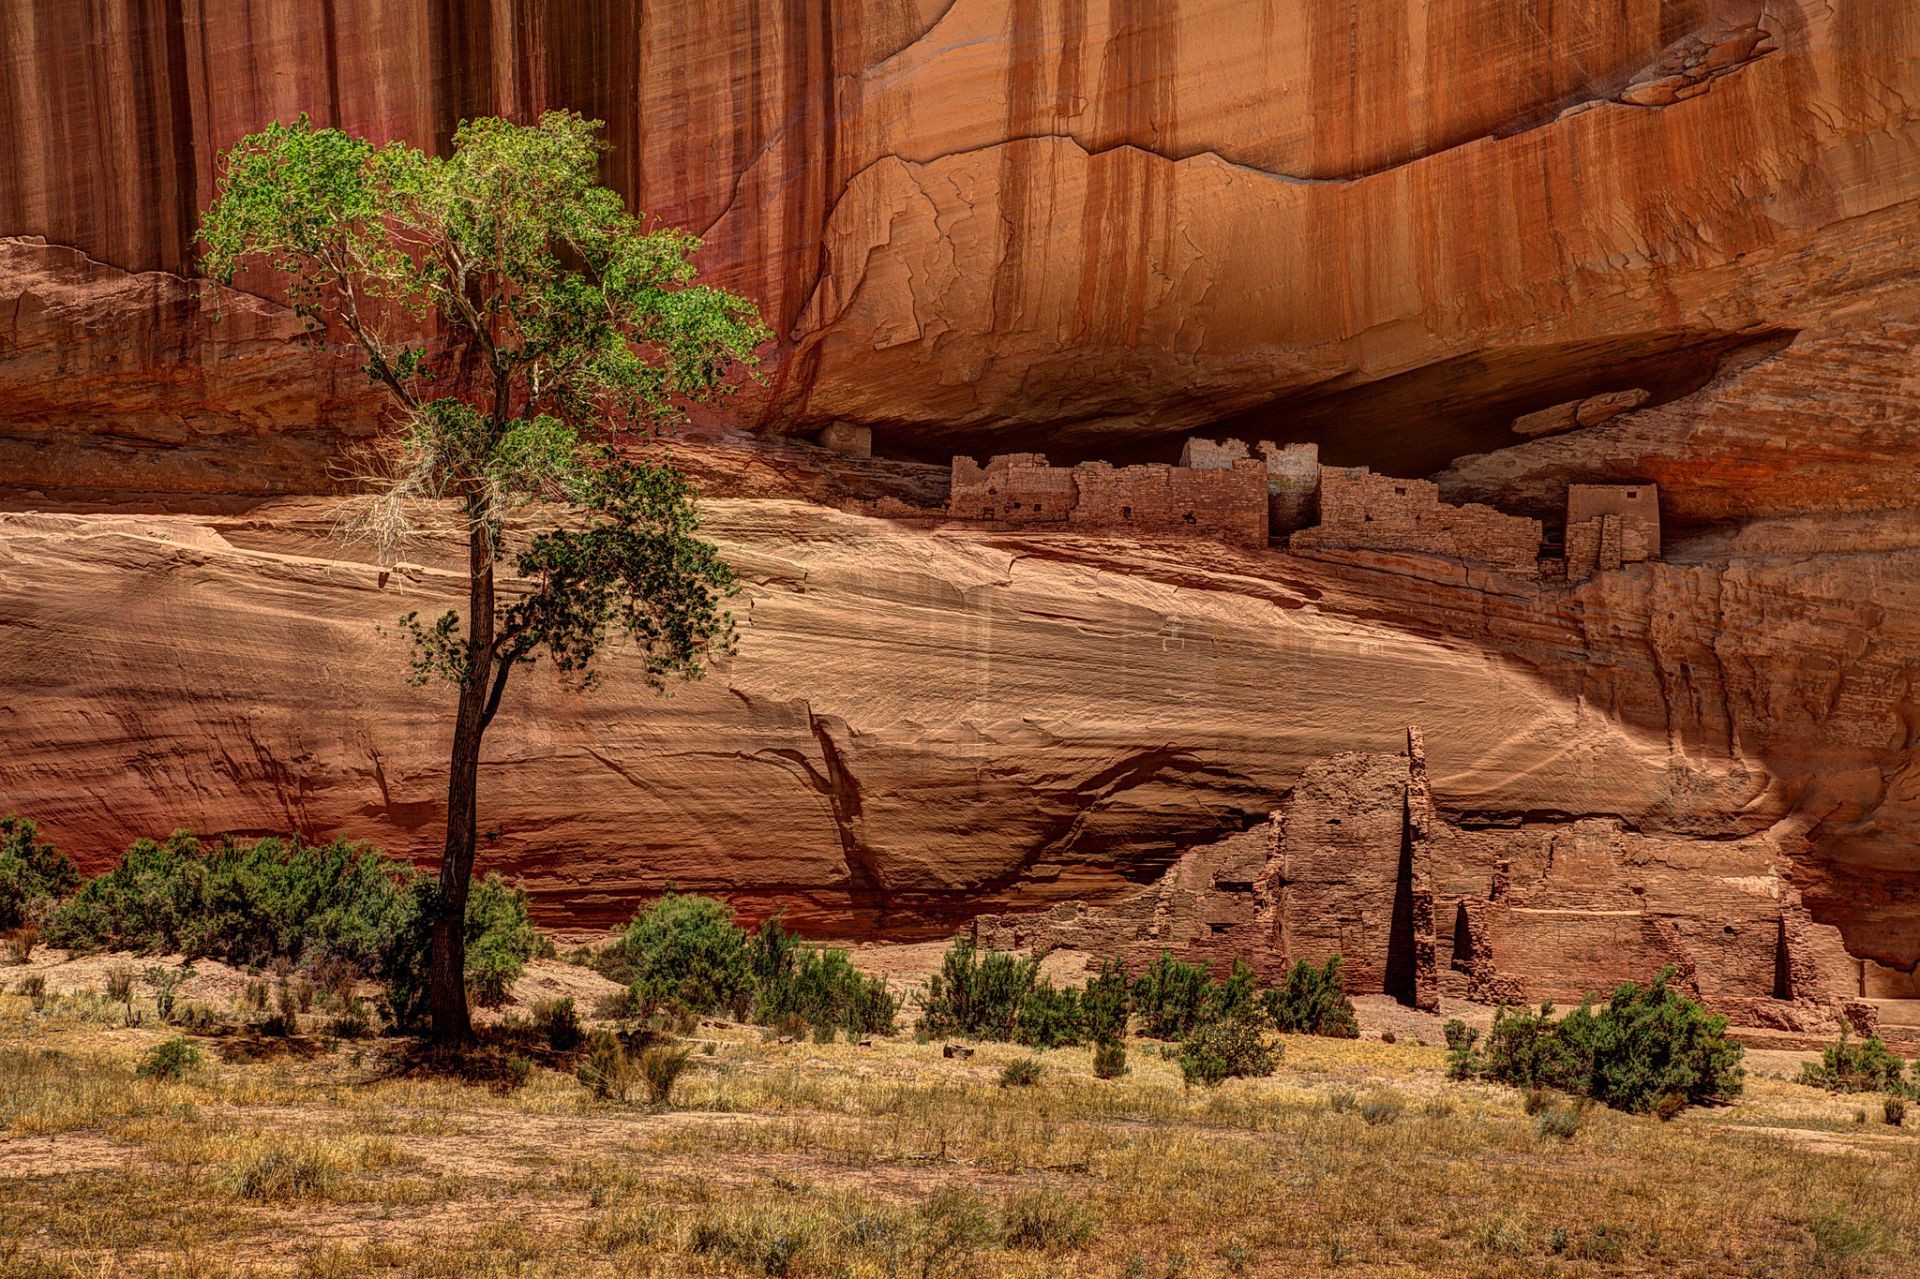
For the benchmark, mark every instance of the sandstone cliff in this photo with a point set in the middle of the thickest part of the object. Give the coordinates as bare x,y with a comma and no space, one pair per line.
1074,225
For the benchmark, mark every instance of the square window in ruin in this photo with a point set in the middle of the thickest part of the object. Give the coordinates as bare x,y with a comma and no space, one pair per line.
1126,512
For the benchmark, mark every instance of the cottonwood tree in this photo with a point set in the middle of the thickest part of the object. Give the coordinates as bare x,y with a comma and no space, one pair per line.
524,326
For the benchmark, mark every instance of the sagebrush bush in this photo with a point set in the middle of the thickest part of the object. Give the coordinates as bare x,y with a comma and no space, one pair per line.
20,943
1022,1072
1382,1108
558,1023
1894,1111
1109,1059
606,1070
1560,1120
172,1059
1231,1048
1850,1065
1044,1221
33,874
34,987
1646,1044
1312,1001
978,992
166,983
684,950
1172,998
1460,1037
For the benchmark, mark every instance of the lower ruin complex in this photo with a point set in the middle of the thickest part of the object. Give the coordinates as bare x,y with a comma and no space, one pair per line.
1358,862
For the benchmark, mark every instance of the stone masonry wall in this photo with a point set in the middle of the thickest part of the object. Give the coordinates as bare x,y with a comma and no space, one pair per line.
1363,511
1609,525
1228,503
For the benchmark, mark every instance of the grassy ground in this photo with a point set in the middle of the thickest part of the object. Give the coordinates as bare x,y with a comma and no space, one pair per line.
305,1158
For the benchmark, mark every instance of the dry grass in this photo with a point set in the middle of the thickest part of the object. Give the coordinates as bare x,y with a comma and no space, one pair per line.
833,1160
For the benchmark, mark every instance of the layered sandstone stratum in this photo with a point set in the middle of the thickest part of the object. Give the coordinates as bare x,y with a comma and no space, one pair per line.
1091,229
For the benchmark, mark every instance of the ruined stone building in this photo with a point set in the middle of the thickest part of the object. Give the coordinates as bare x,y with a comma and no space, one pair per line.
1609,525
1293,476
1358,862
1359,510
1226,503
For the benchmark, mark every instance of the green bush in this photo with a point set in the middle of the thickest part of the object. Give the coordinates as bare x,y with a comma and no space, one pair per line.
245,902
1648,1045
978,992
819,987
1237,993
499,940
33,874
1460,1036
1103,1004
1894,1111
684,950
1172,998
558,1023
172,1059
1313,1001
1850,1065
1022,1072
659,1069
1050,1017
1109,1059
1231,1048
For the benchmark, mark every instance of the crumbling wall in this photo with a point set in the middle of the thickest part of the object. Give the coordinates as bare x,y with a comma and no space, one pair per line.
1293,486
1609,525
1015,488
1358,861
1228,503
1363,511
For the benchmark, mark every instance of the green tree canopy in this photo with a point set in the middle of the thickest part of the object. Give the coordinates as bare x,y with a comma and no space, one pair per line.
528,329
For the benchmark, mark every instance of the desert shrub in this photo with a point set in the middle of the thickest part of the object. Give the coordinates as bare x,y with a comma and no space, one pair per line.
501,939
1558,1120
1460,1037
1230,1048
351,1019
1050,1017
1022,1072
978,992
1103,1003
247,902
33,874
558,1023
1647,1043
750,1243
166,983
1043,1221
120,984
171,1059
34,987
1239,991
1312,1001
1382,1108
20,943
1894,1111
1172,998
1343,1101
606,1071
1109,1059
1850,1065
819,987
684,949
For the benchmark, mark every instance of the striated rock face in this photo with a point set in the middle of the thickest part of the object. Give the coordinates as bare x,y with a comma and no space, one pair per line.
1676,235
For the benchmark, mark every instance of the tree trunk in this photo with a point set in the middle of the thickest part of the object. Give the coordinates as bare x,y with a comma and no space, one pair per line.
447,970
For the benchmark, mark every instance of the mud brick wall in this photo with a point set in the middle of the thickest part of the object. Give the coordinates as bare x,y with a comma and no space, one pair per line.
1363,511
1609,525
1229,504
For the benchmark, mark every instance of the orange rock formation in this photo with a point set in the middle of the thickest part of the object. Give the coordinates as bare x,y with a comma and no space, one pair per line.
1388,231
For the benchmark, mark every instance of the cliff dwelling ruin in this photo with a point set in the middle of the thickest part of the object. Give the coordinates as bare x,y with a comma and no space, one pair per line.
1220,490
1357,861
